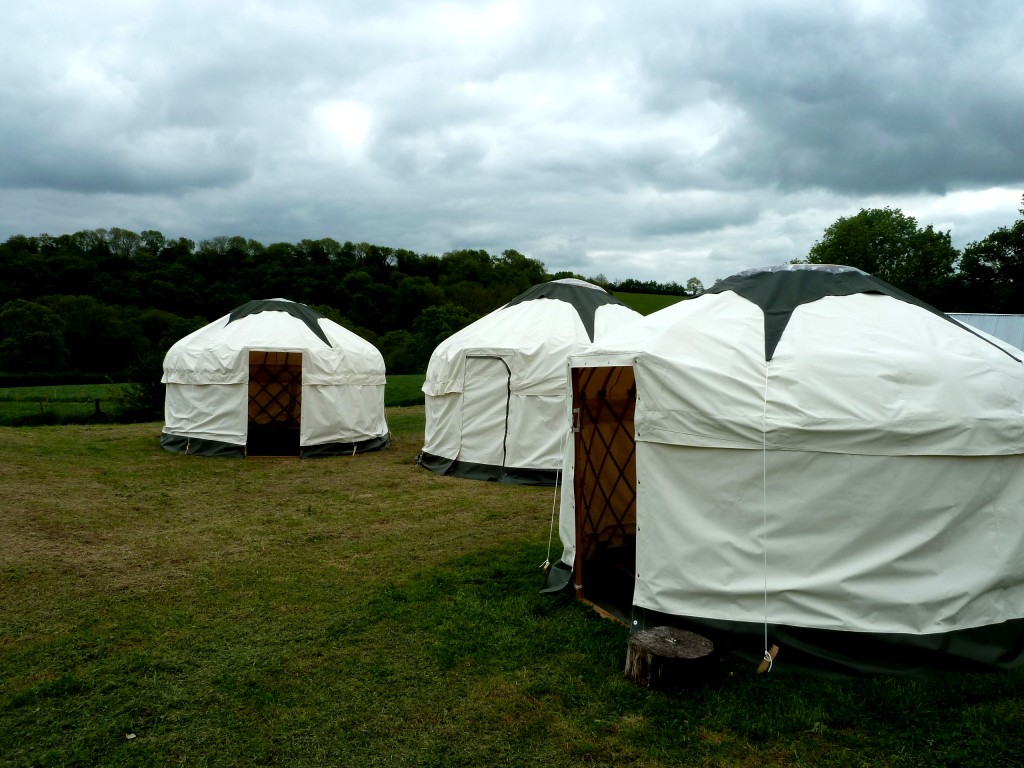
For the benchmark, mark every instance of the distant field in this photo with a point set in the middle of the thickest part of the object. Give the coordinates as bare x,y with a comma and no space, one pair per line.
74,401
646,303
404,390
68,401
65,393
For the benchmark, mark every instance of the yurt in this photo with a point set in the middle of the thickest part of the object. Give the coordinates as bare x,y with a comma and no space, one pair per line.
807,458
273,377
495,391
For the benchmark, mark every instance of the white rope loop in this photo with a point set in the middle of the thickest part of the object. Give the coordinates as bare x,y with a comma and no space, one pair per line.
764,508
554,502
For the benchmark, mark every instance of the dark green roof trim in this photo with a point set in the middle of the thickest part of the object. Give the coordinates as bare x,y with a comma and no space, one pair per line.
299,311
584,300
778,291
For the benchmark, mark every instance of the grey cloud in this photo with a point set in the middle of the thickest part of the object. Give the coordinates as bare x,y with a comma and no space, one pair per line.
657,140
858,107
688,218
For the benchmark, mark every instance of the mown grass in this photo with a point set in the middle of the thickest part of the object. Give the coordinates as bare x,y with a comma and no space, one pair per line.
157,609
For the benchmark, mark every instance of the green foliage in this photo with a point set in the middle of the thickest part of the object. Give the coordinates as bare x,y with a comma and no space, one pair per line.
435,324
653,286
113,301
993,270
142,398
98,336
124,298
401,351
888,244
31,338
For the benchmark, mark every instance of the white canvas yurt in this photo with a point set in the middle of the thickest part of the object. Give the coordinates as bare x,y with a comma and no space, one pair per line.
803,456
495,391
273,377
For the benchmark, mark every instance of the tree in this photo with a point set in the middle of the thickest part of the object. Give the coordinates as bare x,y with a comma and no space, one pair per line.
95,334
434,325
414,294
992,271
888,244
31,339
467,266
153,241
369,302
517,271
694,286
401,352
124,243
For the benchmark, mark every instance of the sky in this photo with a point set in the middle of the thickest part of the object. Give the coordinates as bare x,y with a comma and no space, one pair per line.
656,140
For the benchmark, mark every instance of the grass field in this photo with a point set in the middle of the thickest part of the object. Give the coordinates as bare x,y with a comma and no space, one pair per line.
646,303
65,401
158,609
404,390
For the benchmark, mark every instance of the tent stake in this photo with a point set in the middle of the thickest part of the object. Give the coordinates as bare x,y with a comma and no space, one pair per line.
766,662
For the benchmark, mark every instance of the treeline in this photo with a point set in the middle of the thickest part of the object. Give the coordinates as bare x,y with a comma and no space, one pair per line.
112,301
987,276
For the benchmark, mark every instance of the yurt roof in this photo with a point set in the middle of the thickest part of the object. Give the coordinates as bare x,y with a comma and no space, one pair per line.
539,328
217,352
301,312
804,357
582,296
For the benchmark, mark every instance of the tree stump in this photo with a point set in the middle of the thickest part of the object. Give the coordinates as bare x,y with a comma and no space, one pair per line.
665,657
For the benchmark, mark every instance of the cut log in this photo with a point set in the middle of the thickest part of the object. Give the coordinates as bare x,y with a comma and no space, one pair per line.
666,657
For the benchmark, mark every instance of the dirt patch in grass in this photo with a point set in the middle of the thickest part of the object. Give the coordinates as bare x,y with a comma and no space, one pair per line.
107,509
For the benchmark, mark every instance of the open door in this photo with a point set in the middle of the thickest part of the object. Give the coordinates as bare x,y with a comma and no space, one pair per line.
604,404
485,400
275,403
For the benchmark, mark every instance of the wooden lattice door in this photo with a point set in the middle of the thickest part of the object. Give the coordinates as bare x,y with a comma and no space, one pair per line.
604,404
275,403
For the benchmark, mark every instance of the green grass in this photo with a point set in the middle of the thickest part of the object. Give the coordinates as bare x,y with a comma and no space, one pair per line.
646,303
404,390
62,402
158,609
65,393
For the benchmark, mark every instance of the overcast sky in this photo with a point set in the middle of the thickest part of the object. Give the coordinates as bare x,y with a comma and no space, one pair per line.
655,139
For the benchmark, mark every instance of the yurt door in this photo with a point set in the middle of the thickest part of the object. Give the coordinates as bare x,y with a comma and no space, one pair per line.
485,397
604,403
275,403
